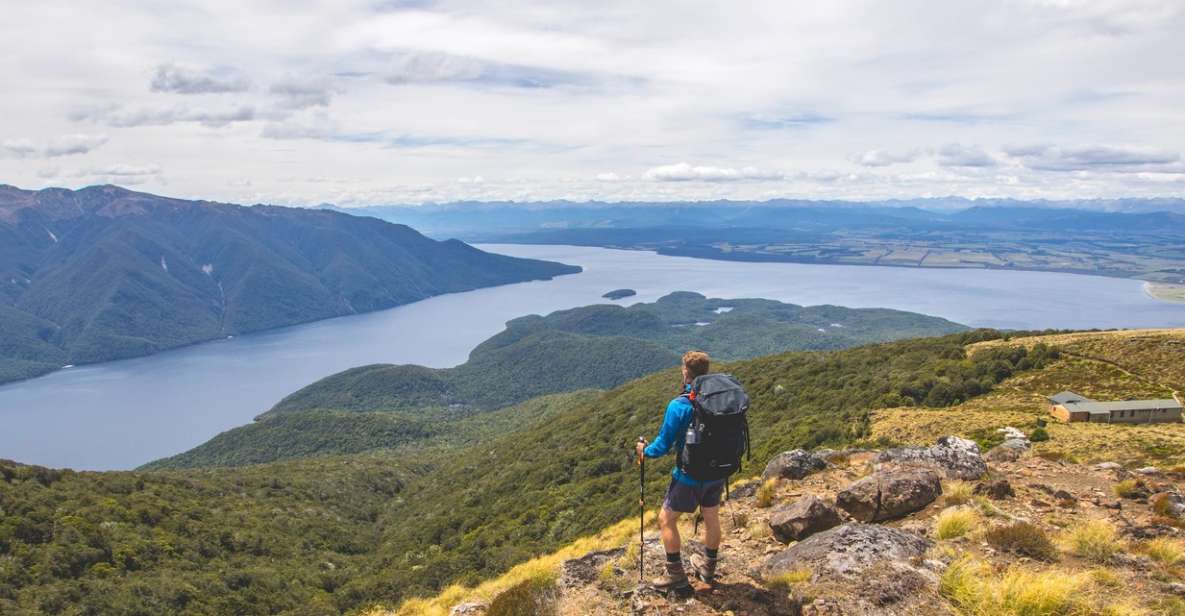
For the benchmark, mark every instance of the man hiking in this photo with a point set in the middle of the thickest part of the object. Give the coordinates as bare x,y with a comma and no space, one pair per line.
685,492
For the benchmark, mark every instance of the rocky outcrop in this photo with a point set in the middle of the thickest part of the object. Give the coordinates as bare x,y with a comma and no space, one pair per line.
953,457
803,518
886,495
847,551
794,464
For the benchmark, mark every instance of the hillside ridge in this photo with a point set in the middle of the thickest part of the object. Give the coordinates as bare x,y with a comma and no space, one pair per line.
105,273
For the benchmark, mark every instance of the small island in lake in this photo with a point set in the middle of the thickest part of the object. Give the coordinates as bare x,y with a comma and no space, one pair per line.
620,294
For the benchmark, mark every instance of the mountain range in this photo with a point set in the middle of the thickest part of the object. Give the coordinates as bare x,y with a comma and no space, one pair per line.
105,273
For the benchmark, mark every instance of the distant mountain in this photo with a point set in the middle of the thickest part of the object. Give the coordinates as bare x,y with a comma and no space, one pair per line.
593,347
512,221
105,273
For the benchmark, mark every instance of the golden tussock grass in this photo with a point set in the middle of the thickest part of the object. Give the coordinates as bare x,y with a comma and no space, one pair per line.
955,522
767,491
784,582
956,492
1127,487
1164,551
534,573
1094,540
977,590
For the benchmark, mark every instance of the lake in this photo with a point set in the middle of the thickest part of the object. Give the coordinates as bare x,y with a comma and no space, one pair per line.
119,415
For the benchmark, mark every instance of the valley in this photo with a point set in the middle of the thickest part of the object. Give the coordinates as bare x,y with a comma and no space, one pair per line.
120,415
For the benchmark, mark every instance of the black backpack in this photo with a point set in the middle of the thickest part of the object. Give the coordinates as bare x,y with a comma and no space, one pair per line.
719,432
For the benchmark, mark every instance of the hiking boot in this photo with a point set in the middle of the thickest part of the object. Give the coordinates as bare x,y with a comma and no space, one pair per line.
704,567
674,581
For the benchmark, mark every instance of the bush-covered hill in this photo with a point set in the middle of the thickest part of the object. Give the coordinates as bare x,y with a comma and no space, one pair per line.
604,345
103,273
303,434
337,533
598,346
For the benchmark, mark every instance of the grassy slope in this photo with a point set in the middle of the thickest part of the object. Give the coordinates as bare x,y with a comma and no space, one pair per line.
1101,365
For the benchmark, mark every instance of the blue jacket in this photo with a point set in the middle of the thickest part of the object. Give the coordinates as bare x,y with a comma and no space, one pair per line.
672,434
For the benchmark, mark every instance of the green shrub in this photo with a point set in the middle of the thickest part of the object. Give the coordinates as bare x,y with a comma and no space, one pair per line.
1039,435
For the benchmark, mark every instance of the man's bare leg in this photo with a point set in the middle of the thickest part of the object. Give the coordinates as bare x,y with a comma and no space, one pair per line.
704,565
676,577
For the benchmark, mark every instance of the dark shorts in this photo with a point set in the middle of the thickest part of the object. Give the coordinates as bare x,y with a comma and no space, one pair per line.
684,498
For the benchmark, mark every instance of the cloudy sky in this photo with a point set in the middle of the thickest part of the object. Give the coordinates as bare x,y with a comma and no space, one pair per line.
410,101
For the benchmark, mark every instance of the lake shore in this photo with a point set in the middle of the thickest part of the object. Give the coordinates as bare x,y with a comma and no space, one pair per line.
1174,293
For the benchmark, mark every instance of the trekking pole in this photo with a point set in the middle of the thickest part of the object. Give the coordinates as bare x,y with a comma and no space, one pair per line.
641,512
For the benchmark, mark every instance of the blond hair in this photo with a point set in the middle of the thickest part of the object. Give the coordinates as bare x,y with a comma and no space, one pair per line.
696,363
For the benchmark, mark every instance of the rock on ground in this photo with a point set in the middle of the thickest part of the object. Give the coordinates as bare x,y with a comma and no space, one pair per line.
954,457
847,551
468,609
997,488
577,572
794,464
802,518
870,567
885,495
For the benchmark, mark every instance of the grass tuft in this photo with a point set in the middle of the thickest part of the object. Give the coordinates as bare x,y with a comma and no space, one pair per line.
1106,578
1127,487
1094,540
784,582
1165,551
1023,538
766,492
976,590
956,492
955,522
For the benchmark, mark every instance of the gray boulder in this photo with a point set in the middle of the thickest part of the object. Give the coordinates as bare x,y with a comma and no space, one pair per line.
803,518
847,551
954,457
885,495
794,464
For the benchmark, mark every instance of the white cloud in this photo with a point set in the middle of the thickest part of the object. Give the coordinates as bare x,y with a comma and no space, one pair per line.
77,143
189,79
884,158
683,172
400,99
63,145
120,117
958,155
1097,158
